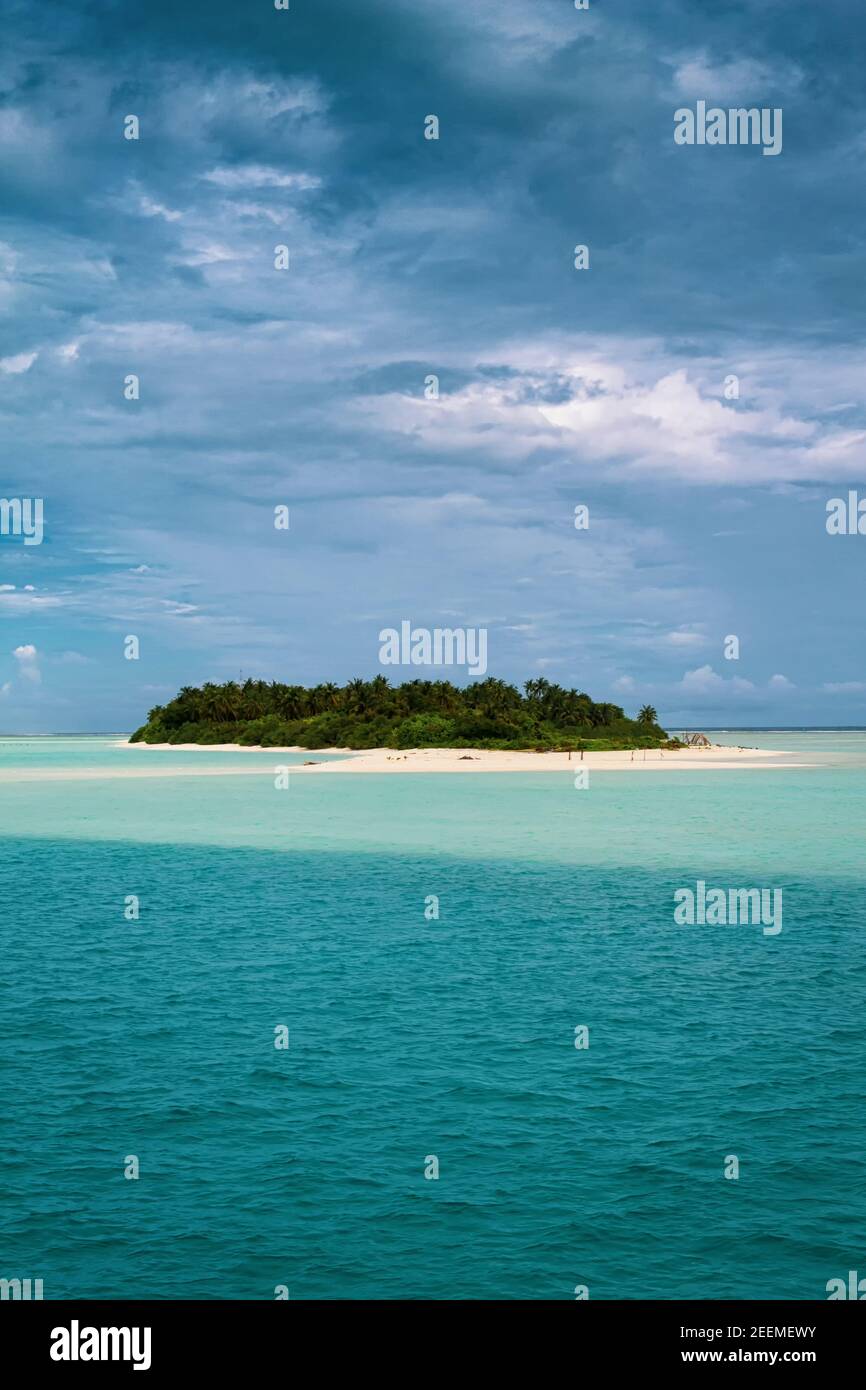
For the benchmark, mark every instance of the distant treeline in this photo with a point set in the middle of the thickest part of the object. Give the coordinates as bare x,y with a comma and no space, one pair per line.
420,714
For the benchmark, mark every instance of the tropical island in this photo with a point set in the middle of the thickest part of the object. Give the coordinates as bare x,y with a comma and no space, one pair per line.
488,714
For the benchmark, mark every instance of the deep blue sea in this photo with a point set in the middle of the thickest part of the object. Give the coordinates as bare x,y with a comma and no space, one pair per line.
412,1037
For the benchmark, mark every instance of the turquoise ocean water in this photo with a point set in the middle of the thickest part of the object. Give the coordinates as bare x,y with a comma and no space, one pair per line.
412,1037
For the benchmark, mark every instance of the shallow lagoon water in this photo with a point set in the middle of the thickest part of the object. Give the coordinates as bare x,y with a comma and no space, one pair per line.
410,1037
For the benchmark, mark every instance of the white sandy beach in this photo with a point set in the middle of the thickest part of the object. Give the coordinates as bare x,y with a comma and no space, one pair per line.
482,760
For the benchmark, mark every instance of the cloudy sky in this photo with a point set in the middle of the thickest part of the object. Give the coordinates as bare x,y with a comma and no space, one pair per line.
408,258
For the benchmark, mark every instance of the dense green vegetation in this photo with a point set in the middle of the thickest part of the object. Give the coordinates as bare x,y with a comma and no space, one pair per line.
419,714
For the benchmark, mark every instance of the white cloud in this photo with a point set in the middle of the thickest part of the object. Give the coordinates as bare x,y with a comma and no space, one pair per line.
743,79
178,610
212,253
512,32
705,681
154,336
258,211
27,658
21,362
669,425
844,687
26,600
152,209
259,176
103,267
685,637
627,411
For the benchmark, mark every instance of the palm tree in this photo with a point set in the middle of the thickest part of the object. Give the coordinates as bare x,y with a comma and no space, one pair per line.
358,695
536,689
209,700
486,709
323,697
